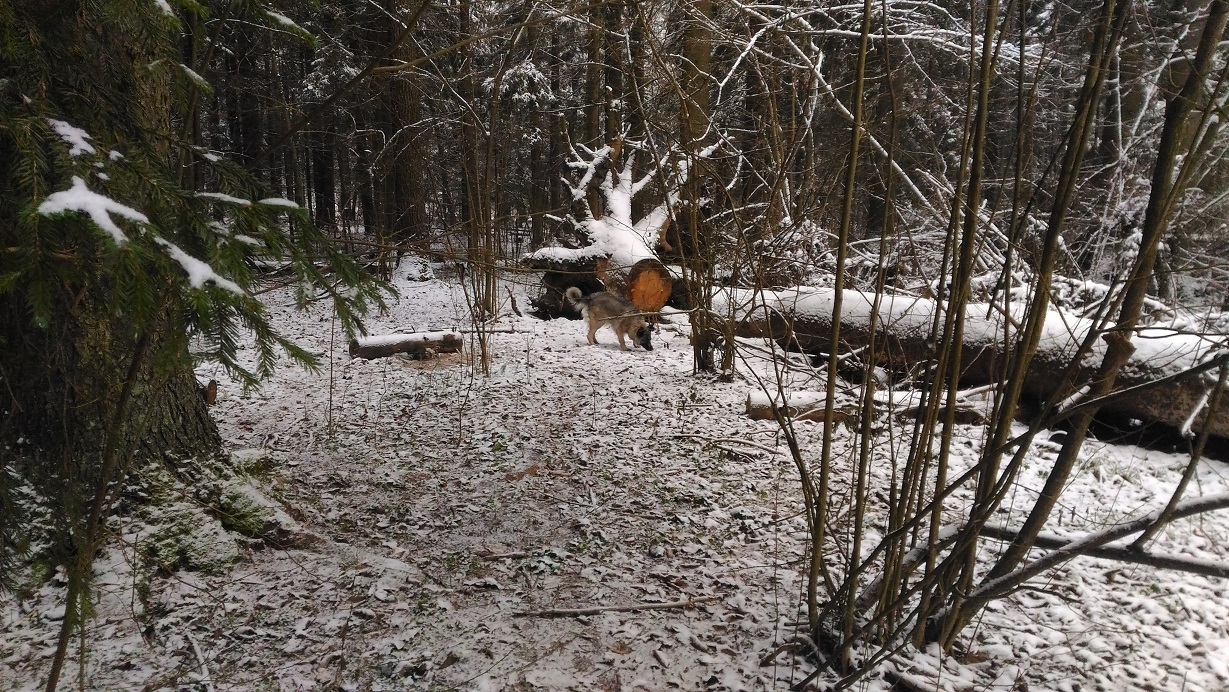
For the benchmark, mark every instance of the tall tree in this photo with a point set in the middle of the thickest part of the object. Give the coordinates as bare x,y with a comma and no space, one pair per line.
110,269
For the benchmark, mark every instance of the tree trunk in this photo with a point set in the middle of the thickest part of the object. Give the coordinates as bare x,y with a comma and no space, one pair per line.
84,402
245,117
323,182
400,192
593,98
63,381
88,401
540,176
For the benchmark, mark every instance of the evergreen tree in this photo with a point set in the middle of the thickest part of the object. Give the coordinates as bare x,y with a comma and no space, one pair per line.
127,253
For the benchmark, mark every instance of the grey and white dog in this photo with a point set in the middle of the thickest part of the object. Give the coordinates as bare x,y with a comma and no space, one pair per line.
608,309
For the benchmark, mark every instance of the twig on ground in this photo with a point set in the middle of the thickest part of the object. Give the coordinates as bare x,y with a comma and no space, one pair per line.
200,658
501,556
1181,563
597,610
794,643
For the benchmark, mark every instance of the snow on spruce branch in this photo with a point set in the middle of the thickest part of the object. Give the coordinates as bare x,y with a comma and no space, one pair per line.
199,273
224,198
278,202
74,137
99,208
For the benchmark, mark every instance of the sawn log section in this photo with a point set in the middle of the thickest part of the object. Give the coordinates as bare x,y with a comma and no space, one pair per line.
417,345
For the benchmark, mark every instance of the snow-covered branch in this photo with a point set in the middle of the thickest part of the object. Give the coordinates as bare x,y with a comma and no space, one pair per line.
79,198
1093,541
98,207
615,235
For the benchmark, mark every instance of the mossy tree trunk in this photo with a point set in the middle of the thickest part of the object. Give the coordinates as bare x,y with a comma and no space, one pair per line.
86,400
86,384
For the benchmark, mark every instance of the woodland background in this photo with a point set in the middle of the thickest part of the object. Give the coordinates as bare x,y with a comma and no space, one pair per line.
1024,159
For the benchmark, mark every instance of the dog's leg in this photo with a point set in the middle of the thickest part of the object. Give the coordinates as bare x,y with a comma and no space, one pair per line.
593,327
621,344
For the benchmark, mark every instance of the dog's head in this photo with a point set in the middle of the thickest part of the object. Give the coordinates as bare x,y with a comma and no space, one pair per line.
643,336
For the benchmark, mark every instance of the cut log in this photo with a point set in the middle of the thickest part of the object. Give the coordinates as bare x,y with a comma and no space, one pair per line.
417,345
798,405
649,285
801,318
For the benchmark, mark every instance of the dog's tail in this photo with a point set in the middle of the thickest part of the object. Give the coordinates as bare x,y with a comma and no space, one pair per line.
575,297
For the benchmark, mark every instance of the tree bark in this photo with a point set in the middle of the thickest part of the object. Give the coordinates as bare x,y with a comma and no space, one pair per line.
400,197
62,383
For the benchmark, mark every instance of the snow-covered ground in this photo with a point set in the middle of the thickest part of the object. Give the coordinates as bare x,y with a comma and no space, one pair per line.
455,507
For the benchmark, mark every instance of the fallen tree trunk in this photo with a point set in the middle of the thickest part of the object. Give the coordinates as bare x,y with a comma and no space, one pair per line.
419,345
647,284
802,318
804,405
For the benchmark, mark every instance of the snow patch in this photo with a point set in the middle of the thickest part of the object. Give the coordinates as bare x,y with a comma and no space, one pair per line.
199,273
196,78
283,20
228,199
75,137
98,207
278,202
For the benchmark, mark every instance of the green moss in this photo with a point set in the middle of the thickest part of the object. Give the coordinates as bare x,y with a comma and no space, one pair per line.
253,462
182,536
246,511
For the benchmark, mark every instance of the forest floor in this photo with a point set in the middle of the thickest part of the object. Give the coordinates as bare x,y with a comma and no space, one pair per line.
452,507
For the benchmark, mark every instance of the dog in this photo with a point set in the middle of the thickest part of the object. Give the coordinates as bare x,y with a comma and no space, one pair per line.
620,314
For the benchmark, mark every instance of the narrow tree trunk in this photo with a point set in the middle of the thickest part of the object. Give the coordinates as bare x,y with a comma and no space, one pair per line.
694,111
594,100
324,190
